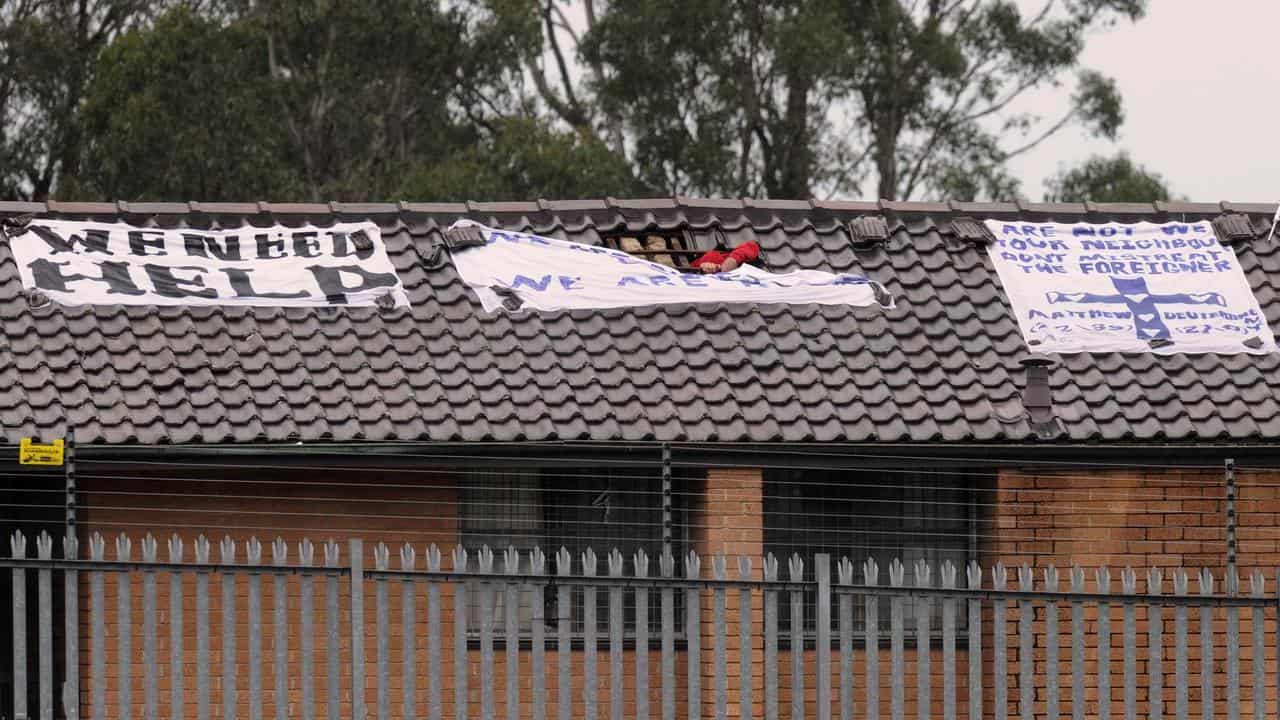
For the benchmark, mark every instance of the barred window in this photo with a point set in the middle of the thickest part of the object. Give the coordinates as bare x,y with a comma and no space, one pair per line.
571,509
861,514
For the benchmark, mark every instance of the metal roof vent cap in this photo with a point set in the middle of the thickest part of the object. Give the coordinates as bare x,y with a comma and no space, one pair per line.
868,231
1037,396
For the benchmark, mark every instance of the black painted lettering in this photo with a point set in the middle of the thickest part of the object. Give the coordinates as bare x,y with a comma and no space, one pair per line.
204,245
170,285
141,242
330,280
243,287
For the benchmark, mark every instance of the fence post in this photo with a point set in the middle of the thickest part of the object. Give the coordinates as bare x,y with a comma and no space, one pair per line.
897,700
1258,588
306,602
176,653
1233,646
229,674
822,573
745,701
124,618
796,566
1155,648
18,545
151,693
693,636
202,629
511,607
382,623
71,600
1129,583
974,578
279,626
1103,579
253,553
1181,693
1026,658
999,640
1206,645
44,591
640,564
871,635
924,639
355,546
1077,644
770,639
947,573
1052,644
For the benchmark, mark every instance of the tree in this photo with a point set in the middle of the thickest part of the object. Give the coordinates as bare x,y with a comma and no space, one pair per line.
788,98
1107,179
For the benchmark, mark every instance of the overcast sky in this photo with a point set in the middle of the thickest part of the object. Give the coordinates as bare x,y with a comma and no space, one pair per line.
1201,82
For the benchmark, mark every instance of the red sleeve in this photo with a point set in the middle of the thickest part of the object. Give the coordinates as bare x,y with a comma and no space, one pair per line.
714,256
746,252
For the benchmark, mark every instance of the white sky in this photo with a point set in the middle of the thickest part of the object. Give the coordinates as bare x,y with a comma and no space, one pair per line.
1201,85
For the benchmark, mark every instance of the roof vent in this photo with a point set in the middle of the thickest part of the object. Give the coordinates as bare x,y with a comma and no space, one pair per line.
1037,397
967,229
868,231
462,237
11,227
1234,228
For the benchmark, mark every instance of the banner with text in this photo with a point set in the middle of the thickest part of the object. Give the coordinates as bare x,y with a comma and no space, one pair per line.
94,263
1167,288
549,274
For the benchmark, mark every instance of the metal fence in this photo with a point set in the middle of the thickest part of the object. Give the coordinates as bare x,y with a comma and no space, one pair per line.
731,665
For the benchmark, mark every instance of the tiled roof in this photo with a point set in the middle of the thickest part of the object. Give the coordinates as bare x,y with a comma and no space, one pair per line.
943,366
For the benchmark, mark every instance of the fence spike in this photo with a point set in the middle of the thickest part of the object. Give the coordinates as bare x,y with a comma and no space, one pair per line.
1102,577
948,574
1180,583
381,556
974,572
666,563
692,565
615,562
1155,579
564,561
1232,580
149,548
1206,582
922,573
1258,584
719,567
1026,578
459,559
511,560
279,552
999,577
1077,579
870,572
228,550
1050,577
589,563
537,561
433,558
202,549
97,546
306,551
796,566
1128,581
253,550
744,567
18,544
770,567
408,557
897,572
640,562
44,545
124,548
175,548
844,571
70,546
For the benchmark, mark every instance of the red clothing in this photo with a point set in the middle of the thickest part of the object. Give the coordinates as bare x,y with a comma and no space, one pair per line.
744,253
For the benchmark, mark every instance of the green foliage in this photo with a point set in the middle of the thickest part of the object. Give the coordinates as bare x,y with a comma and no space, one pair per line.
1108,179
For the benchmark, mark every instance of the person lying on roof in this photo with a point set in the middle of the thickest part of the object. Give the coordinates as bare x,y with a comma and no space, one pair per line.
719,260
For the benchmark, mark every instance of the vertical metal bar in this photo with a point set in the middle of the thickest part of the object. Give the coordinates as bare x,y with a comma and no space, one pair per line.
202,629
770,640
177,655
333,638
1233,646
151,666
1026,657
435,671
306,604
1103,579
666,566
71,627
1052,644
355,546
124,622
719,632
18,545
897,632
871,637
564,647
1077,645
667,514
822,574
1155,648
615,638
693,637
589,650
1129,583
253,552
382,620
948,574
844,573
44,626
999,644
1229,472
1258,586
486,589
511,641
538,566
924,638
974,577
1206,646
98,613
280,628
461,698
1180,646
745,649
796,566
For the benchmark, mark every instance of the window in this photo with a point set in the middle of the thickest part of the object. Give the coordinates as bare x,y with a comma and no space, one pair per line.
573,509
675,249
883,515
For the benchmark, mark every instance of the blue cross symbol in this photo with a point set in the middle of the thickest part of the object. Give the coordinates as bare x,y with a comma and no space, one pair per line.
1144,306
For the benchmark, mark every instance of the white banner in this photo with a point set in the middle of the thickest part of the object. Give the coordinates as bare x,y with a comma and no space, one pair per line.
1169,288
549,274
93,263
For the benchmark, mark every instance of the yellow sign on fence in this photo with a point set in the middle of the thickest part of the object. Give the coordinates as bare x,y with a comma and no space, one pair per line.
30,453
